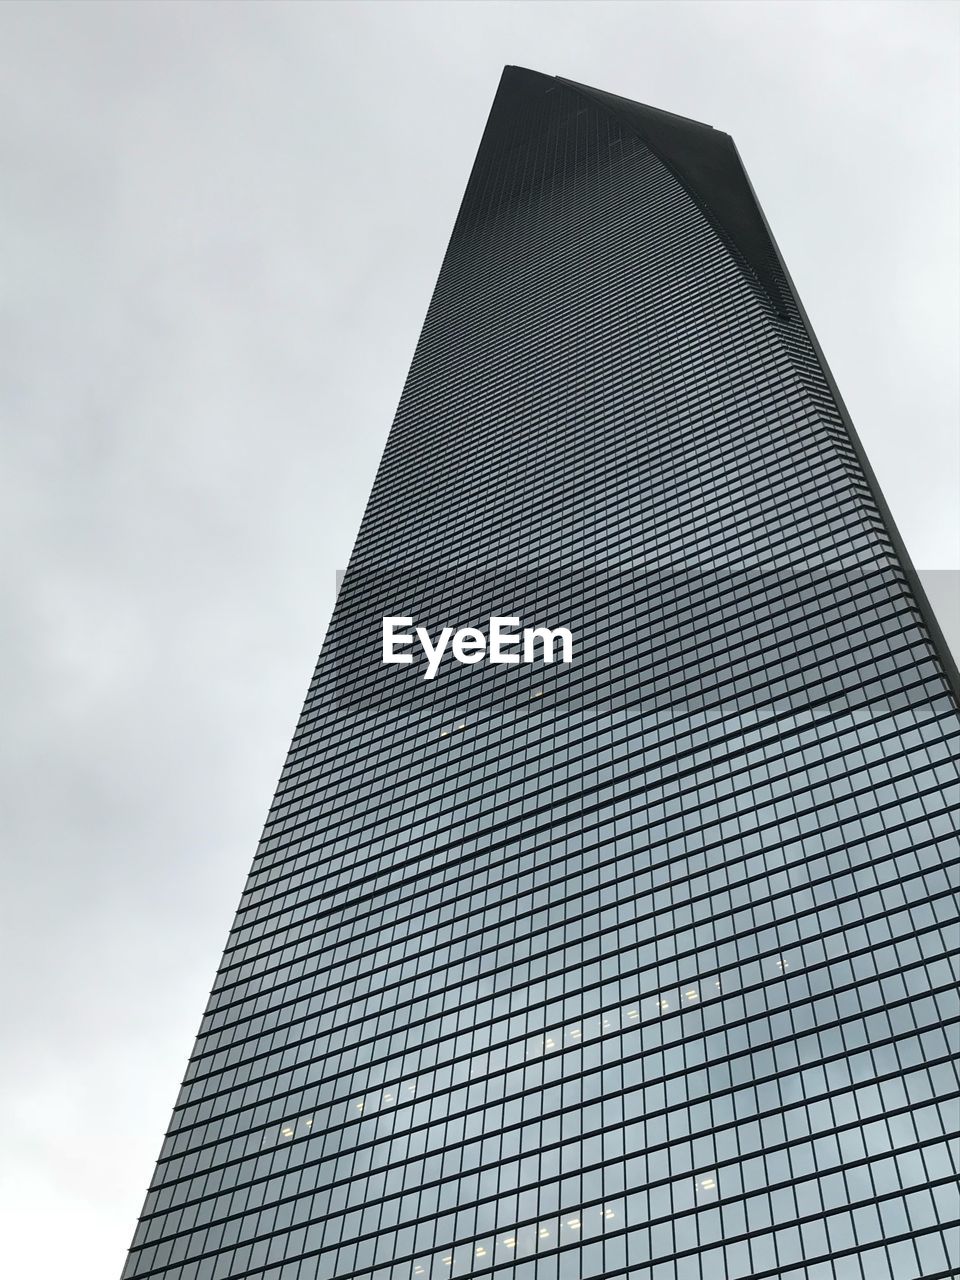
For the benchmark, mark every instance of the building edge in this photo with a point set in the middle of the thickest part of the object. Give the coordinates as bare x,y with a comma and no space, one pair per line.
934,631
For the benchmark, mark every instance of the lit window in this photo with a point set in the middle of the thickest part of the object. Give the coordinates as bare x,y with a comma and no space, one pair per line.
287,1132
481,1251
574,1224
550,1044
663,1004
308,1123
543,1233
693,995
707,1184
575,1031
461,726
510,1244
633,1013
608,1213
444,733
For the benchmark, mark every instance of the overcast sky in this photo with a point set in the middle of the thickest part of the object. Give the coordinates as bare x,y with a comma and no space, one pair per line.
221,227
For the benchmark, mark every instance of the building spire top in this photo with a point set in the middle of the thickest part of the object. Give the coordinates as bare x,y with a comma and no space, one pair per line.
705,162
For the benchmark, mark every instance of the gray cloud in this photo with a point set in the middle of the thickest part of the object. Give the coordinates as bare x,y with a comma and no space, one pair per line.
222,224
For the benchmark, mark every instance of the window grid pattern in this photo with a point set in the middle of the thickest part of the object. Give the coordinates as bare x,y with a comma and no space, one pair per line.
645,966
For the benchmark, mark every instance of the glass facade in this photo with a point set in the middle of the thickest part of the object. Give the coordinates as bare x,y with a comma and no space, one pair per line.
643,966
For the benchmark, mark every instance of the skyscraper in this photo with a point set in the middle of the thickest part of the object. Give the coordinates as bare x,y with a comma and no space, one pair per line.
642,964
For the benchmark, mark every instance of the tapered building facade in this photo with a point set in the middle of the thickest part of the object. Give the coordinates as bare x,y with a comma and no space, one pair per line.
642,965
